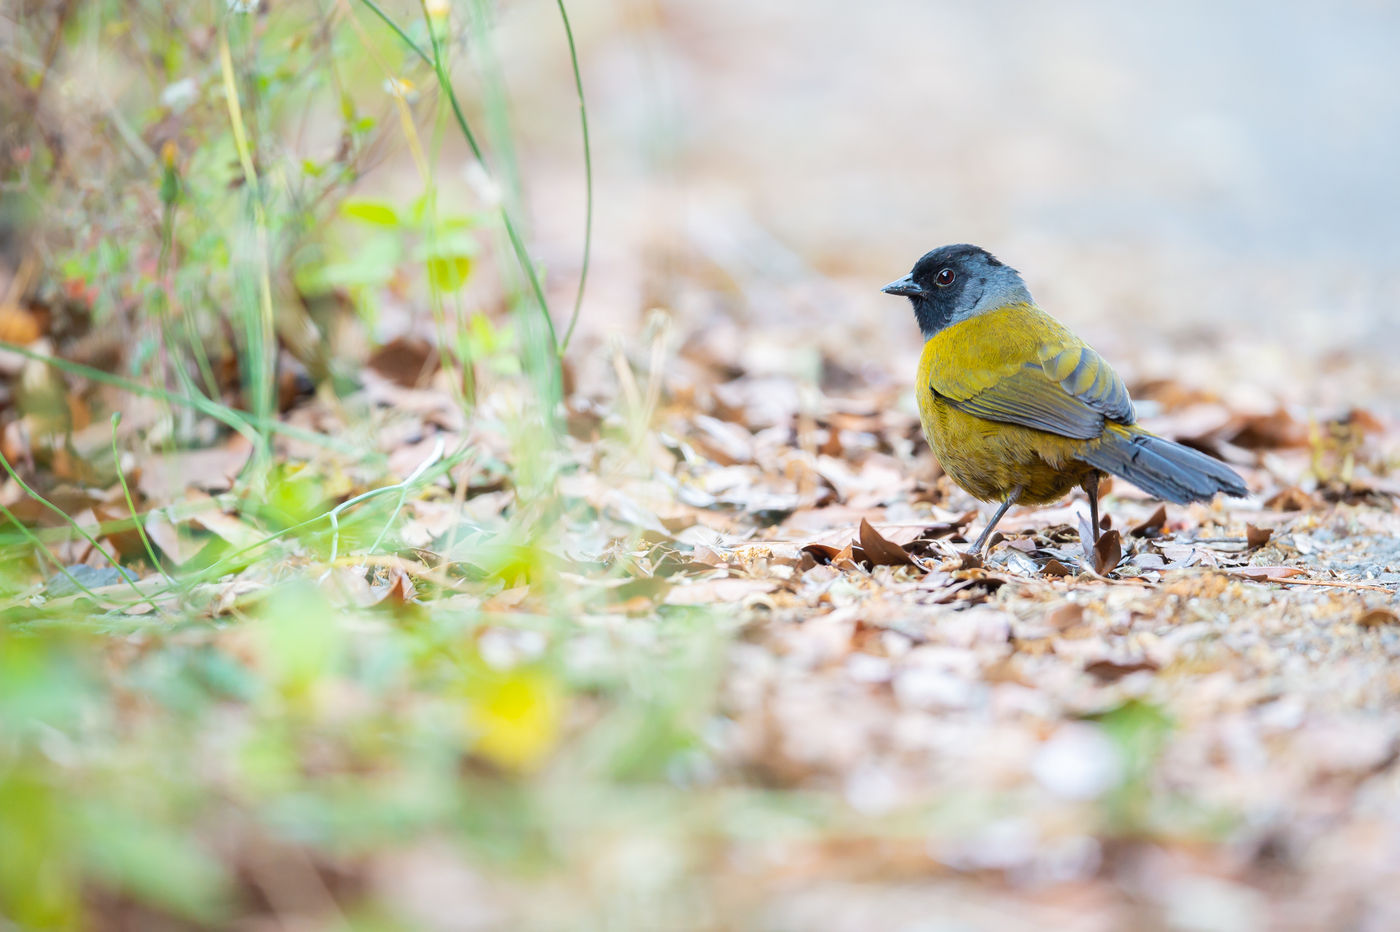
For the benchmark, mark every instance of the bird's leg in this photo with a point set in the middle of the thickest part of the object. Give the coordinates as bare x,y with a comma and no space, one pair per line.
991,525
1091,488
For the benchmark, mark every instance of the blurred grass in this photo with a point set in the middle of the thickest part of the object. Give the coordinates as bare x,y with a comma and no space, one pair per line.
171,743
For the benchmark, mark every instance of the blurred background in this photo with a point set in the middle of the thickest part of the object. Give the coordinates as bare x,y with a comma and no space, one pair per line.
1171,180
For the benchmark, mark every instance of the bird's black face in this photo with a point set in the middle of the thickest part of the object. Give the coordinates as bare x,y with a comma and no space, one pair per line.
950,282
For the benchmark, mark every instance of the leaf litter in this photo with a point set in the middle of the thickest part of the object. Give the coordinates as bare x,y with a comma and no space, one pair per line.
1208,693
1049,717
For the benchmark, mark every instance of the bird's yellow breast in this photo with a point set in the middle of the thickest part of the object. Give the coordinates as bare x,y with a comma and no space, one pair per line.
990,458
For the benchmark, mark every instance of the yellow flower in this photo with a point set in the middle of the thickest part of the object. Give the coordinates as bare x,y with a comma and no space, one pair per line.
515,716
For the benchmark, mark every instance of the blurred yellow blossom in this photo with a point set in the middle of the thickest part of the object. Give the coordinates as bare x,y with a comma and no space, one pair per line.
515,716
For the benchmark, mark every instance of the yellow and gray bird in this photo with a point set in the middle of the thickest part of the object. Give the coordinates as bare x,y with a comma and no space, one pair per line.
1019,409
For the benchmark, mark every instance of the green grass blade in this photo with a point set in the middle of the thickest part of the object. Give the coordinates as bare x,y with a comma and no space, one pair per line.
587,181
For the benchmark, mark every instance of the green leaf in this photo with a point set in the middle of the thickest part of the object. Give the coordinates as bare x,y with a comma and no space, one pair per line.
449,260
367,210
448,273
374,263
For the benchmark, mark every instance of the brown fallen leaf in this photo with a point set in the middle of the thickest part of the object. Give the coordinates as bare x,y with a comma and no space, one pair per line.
831,446
1257,536
1055,568
1363,420
19,324
969,561
1064,616
1269,431
229,527
406,362
163,476
1377,617
881,552
127,540
1033,647
1108,550
400,590
167,538
1110,671
1153,526
826,554
1006,670
1292,499
949,528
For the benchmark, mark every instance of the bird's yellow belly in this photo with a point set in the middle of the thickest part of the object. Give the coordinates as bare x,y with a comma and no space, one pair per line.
989,459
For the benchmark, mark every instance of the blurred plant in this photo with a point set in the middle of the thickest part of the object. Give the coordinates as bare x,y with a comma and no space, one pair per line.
292,681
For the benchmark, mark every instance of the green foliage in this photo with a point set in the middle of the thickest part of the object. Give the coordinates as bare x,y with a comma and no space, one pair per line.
156,741
368,254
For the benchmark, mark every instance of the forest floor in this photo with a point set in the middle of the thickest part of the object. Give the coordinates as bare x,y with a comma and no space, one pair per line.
747,676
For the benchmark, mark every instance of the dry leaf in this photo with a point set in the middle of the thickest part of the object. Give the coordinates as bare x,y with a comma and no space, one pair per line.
1377,617
969,561
1292,499
1257,536
401,590
1153,526
1270,431
405,362
948,528
1110,671
1364,421
167,539
1055,568
228,527
164,476
1065,615
881,552
825,554
1108,550
19,325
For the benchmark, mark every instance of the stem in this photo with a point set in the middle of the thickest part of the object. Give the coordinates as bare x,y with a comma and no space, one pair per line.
587,182
445,83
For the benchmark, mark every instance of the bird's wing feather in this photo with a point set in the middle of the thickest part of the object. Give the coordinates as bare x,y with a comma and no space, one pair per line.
1068,389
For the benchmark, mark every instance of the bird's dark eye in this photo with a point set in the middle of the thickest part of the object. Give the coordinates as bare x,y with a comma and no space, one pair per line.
944,278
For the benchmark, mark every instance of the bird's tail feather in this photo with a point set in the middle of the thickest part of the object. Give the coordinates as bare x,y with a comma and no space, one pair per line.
1161,468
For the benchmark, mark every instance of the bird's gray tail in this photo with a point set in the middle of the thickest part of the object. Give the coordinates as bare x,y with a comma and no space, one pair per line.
1161,468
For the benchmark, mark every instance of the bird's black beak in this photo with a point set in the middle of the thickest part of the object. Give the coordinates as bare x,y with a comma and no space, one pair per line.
905,286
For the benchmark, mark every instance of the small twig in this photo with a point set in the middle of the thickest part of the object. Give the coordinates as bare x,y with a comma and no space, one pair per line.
1330,583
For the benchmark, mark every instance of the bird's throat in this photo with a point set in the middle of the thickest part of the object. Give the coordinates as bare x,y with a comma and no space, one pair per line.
931,318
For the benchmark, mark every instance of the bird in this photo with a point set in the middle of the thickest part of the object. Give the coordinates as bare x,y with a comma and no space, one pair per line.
1018,409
